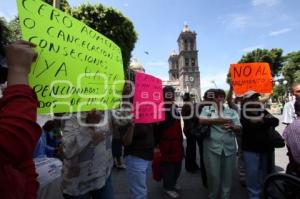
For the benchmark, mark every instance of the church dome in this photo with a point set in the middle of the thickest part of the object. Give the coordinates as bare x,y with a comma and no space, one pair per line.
173,53
186,28
136,66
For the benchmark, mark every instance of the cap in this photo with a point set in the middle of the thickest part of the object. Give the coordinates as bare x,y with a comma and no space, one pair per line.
250,94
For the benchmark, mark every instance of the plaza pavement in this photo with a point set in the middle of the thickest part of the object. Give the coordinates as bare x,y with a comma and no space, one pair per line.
191,184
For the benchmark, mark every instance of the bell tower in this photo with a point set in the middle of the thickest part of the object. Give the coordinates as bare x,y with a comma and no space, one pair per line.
188,69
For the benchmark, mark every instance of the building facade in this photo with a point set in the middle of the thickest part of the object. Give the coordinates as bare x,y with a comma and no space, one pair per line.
184,72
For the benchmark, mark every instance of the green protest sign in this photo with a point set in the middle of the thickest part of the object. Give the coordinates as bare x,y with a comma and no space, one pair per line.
77,68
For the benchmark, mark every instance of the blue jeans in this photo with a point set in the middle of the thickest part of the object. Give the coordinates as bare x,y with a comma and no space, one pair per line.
256,165
137,172
105,192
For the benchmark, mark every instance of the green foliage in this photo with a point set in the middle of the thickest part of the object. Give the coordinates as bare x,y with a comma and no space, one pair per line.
273,57
279,92
291,68
15,29
110,23
4,35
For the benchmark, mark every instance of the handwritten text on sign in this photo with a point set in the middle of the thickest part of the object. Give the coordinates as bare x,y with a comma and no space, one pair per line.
77,68
148,99
251,76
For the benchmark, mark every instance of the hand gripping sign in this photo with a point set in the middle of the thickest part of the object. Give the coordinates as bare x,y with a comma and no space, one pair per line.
251,76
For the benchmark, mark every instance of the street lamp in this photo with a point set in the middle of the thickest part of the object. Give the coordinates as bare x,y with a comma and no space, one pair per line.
56,3
285,84
286,88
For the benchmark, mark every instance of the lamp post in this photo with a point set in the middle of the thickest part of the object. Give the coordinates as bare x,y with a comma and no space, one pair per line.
285,84
56,3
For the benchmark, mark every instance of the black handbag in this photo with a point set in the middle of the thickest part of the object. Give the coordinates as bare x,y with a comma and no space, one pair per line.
275,138
201,131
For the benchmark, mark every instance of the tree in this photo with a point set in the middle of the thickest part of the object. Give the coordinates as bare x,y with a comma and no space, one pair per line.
110,23
291,68
15,29
279,92
4,35
273,57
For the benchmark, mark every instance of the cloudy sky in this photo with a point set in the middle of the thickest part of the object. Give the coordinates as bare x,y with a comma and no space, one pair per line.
226,29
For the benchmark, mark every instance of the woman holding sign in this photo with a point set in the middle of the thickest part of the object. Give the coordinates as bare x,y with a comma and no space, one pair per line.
219,149
257,150
87,155
138,140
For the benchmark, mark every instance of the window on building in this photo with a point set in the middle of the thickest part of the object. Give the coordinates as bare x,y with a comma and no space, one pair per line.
185,45
193,61
192,45
186,78
186,61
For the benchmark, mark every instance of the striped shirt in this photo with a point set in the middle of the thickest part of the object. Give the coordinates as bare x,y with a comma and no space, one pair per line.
291,135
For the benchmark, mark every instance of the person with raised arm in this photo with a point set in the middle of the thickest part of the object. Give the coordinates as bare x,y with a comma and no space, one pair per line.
19,131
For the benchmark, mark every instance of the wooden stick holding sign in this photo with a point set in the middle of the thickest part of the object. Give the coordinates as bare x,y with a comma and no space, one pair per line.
251,76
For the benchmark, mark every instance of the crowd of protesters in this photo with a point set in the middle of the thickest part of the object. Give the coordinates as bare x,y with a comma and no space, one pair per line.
89,151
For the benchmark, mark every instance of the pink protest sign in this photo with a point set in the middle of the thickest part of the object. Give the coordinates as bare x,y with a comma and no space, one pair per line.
148,99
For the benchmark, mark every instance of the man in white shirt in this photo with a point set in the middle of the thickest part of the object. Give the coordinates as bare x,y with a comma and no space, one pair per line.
288,110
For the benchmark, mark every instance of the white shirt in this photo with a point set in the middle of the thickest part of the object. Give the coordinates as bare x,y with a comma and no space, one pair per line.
86,166
289,112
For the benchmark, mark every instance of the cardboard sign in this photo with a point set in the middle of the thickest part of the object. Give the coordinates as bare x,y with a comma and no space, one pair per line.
148,99
251,76
77,68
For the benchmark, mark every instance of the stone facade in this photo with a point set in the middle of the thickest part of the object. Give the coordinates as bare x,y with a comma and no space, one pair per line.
184,72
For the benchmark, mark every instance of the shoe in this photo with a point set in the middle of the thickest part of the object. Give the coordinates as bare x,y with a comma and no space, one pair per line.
172,194
177,187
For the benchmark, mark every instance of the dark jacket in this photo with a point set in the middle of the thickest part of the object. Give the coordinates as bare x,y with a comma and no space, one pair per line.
255,137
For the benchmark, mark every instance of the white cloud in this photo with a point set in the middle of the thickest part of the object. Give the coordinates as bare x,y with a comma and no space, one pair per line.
268,3
279,32
7,15
236,21
251,48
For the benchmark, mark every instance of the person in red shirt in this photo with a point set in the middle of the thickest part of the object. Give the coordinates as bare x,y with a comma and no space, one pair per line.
19,131
170,140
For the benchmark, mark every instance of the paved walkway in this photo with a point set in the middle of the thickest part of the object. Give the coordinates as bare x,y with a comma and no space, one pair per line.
191,184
